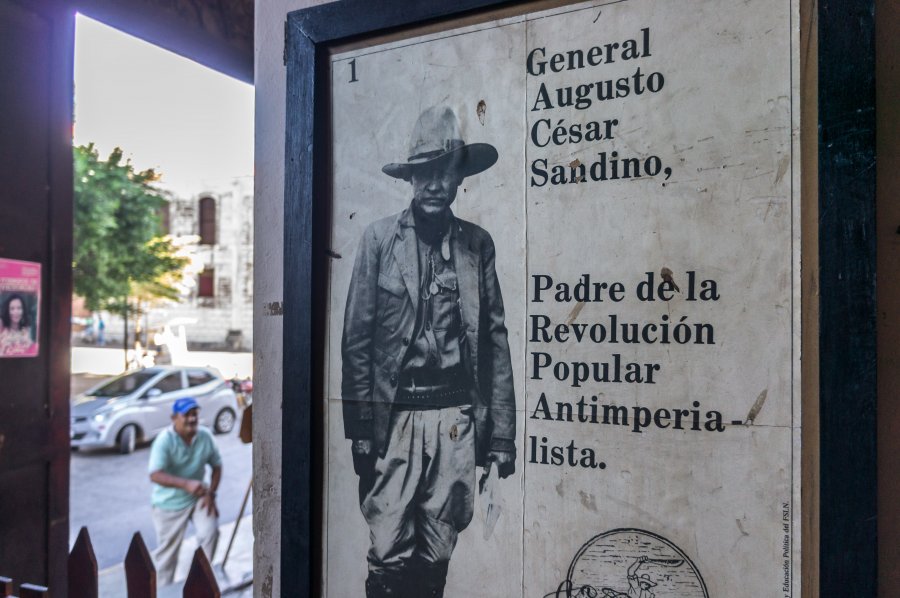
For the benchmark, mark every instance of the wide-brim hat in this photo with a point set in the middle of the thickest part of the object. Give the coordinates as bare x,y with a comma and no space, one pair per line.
645,580
435,139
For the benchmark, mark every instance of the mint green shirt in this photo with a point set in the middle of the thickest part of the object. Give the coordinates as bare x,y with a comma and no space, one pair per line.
172,455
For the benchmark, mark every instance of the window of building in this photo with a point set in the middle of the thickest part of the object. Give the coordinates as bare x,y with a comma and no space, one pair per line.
208,221
205,284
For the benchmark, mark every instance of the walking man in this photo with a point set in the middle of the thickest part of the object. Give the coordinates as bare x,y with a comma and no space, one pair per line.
427,382
178,461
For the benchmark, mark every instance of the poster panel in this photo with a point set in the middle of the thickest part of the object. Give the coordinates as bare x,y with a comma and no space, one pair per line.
562,341
20,304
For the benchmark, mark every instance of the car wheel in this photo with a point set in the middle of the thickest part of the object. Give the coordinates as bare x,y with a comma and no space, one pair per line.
127,440
224,421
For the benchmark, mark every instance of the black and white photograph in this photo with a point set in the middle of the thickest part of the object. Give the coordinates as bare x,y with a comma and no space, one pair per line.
562,271
426,395
427,381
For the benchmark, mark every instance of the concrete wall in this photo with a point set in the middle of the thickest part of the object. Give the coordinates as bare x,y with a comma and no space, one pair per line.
207,320
268,210
231,257
268,266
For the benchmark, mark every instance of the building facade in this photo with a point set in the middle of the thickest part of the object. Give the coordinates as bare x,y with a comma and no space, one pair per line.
217,311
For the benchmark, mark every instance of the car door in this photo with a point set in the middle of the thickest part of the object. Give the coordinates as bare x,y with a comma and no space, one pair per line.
159,399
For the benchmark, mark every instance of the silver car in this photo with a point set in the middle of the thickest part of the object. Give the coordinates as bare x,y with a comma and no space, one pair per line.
137,406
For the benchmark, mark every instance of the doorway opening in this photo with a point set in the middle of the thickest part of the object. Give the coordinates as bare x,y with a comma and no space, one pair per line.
164,289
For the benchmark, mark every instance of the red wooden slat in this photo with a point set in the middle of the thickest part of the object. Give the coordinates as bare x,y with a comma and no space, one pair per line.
140,574
201,583
6,586
83,568
27,590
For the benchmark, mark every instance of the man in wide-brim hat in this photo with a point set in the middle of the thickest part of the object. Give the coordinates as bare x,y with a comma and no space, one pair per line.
427,382
639,585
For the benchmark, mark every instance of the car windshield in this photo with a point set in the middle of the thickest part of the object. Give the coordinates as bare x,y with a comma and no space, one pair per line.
123,385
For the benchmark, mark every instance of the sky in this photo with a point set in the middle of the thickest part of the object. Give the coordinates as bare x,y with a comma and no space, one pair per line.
190,123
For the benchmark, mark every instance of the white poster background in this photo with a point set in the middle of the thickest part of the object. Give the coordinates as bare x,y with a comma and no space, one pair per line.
722,121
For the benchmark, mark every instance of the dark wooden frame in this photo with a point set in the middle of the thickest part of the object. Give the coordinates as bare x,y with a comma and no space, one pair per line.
36,437
847,549
39,440
848,527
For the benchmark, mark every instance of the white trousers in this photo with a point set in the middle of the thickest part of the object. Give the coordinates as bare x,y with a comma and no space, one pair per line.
170,528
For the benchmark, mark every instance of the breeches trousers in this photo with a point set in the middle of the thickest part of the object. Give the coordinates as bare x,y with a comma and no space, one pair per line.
422,492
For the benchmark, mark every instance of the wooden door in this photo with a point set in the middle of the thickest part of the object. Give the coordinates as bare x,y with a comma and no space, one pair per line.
36,41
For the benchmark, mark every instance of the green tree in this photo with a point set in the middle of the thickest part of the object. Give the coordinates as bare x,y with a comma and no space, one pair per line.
121,259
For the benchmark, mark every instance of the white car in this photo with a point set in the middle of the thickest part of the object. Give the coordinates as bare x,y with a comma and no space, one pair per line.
137,406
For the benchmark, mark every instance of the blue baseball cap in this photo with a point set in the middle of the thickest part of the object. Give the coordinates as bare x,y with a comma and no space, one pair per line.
184,405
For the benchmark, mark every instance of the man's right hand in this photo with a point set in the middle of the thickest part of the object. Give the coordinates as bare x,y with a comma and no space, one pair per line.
362,447
195,488
363,451
208,502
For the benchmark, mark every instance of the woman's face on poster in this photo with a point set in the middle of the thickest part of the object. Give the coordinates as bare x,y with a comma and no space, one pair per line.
16,311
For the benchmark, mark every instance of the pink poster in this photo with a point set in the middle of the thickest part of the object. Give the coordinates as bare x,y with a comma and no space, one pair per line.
20,300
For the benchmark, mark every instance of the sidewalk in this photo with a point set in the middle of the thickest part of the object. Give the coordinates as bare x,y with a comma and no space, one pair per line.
236,580
110,361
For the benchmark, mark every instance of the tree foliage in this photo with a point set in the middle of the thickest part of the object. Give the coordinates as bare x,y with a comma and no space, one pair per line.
120,257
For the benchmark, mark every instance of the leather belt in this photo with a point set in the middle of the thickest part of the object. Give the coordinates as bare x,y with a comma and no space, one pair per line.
437,396
427,378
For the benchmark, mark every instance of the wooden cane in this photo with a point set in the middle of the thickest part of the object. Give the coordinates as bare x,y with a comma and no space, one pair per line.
237,523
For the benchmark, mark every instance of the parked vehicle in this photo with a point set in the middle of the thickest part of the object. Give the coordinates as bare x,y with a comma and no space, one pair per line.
137,406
